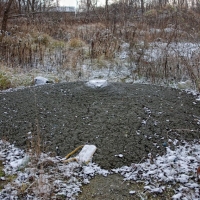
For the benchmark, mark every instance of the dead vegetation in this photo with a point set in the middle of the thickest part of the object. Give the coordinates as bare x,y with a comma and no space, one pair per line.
56,42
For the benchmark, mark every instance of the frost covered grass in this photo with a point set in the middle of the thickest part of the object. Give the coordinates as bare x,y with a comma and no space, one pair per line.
160,63
29,49
5,83
163,62
17,77
173,174
46,178
150,51
176,171
159,48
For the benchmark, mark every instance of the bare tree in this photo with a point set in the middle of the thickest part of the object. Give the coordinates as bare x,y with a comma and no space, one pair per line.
5,17
142,6
107,12
57,2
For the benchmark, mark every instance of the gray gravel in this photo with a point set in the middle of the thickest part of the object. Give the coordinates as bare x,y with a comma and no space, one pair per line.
127,119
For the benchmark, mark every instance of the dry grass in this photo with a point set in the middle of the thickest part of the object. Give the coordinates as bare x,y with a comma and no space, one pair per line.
5,83
75,43
56,46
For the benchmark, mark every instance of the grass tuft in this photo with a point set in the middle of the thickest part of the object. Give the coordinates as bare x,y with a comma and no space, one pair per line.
76,43
5,82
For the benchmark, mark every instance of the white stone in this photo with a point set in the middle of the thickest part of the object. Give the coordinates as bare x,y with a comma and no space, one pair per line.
132,192
185,85
39,80
97,83
86,153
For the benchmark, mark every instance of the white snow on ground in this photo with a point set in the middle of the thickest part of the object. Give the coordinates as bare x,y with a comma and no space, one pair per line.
198,98
180,49
185,85
123,69
63,179
176,170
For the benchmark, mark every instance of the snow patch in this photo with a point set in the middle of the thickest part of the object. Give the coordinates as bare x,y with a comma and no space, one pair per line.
176,167
185,85
63,179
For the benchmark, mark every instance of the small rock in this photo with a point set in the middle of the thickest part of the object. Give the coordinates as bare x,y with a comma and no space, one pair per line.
97,83
39,80
3,178
119,155
132,192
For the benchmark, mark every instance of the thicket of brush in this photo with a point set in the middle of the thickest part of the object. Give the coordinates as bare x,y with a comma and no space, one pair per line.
55,41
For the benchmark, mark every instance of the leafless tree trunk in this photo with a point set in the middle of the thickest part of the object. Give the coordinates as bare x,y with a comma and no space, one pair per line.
57,3
160,3
19,6
32,5
88,4
106,11
5,18
142,6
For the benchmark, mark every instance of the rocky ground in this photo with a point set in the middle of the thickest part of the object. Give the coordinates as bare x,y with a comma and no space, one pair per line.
125,121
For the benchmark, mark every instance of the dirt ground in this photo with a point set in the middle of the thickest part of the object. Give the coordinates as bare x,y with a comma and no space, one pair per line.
113,187
124,121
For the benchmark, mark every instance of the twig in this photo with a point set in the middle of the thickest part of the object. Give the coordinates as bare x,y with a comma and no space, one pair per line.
135,167
30,186
74,151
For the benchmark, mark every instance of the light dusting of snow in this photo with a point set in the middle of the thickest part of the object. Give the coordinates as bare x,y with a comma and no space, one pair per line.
186,85
64,179
176,168
177,196
159,49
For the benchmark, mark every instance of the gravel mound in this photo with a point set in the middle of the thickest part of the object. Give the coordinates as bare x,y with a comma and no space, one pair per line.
124,121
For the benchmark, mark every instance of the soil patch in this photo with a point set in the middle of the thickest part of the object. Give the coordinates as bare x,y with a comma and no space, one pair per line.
124,121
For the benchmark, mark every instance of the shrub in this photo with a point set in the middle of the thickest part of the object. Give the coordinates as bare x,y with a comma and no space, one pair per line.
151,13
75,43
5,83
57,44
41,38
169,8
